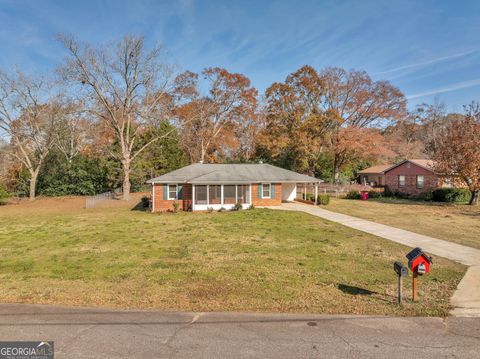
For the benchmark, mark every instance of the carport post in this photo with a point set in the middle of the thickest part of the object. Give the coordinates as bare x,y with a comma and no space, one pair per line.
305,191
316,193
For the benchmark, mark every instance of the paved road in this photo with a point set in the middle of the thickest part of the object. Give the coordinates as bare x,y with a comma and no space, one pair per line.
466,299
97,333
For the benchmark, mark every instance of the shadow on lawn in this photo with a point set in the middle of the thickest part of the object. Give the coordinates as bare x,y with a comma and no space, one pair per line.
140,206
355,290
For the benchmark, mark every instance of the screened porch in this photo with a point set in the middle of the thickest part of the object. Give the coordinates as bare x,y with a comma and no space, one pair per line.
216,196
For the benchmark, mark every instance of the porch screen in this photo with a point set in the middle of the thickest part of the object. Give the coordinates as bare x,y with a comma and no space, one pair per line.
215,194
201,195
243,193
229,194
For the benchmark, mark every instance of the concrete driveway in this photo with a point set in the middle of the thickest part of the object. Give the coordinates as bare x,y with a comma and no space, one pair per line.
466,299
98,333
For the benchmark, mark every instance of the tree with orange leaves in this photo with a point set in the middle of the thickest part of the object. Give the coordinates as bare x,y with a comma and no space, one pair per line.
457,151
352,98
215,124
309,113
361,144
295,124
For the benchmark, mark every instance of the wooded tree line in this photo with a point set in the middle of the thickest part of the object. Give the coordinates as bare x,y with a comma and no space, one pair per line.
114,116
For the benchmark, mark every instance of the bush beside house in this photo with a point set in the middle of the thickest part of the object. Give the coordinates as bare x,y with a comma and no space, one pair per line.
451,195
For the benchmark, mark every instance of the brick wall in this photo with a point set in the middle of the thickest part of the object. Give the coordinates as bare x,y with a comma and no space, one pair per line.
162,205
277,201
410,171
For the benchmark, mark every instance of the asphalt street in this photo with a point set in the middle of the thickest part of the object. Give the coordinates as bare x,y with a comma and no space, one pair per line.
104,333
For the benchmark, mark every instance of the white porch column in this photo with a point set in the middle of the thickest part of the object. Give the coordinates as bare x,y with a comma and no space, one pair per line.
153,197
221,191
305,191
316,193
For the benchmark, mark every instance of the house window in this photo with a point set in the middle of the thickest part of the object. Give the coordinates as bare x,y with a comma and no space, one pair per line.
401,181
172,191
201,195
266,190
214,194
243,193
229,194
420,181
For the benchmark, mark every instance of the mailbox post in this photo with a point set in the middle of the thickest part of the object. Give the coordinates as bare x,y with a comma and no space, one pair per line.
401,271
419,263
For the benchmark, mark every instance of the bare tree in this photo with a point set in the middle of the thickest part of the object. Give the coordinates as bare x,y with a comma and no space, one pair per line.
73,130
125,86
4,159
28,116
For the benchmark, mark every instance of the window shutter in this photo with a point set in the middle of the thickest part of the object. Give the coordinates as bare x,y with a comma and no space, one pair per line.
259,190
165,191
272,190
180,191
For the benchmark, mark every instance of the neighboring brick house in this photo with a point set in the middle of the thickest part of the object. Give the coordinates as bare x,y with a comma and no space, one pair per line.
413,176
198,187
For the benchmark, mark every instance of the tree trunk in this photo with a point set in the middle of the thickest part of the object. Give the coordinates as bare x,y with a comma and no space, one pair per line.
126,179
33,184
336,172
474,198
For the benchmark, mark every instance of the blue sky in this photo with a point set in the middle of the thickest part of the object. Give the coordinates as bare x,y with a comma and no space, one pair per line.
427,48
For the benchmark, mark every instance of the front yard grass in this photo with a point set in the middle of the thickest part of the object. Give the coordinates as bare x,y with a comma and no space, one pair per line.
454,223
54,251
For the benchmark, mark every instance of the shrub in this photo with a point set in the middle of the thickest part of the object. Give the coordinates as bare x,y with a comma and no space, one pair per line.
209,209
3,194
308,197
354,195
323,199
237,207
374,194
145,201
251,207
451,195
175,206
222,209
424,196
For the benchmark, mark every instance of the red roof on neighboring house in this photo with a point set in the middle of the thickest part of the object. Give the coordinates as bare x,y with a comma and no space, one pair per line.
376,169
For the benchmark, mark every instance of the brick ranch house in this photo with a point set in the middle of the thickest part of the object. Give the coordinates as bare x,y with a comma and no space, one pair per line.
414,176
199,186
411,176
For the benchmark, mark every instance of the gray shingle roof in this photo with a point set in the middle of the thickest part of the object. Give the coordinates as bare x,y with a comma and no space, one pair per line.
199,173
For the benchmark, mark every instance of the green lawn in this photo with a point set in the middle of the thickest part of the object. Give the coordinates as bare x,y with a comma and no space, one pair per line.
53,251
455,223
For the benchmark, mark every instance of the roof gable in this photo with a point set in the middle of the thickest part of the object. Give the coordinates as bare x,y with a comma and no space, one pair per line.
425,164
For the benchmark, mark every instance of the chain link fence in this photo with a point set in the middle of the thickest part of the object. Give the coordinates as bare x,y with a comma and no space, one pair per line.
93,201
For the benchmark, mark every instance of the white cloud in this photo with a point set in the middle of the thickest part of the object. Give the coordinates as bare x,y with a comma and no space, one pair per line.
448,88
428,62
